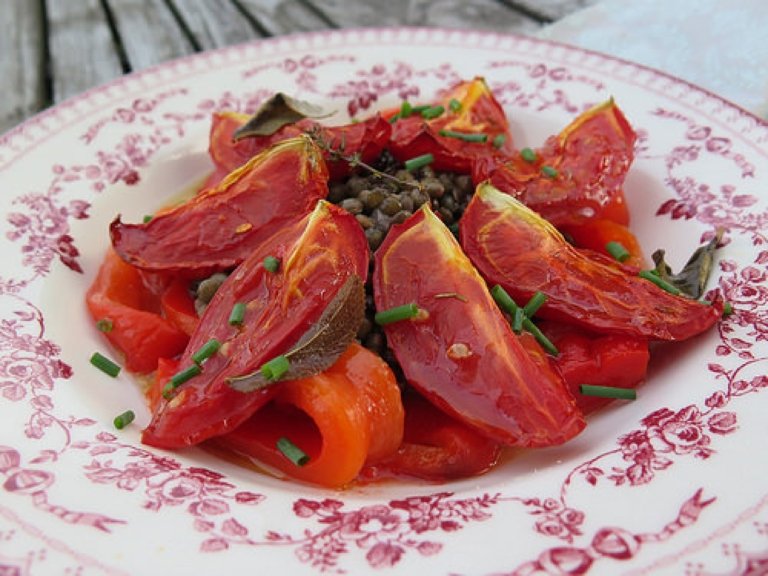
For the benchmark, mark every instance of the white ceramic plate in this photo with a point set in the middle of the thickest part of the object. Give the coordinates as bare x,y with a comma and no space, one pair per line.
674,481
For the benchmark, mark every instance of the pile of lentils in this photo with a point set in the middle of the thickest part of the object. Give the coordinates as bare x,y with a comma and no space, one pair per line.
378,202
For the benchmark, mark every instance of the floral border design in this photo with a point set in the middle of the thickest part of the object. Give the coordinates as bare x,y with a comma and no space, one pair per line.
31,366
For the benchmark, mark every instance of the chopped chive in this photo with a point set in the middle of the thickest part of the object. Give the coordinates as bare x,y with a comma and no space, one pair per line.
105,325
147,218
454,105
727,309
545,342
617,250
292,452
275,368
237,315
660,282
272,264
406,109
504,300
184,375
122,420
394,118
499,140
206,351
549,171
517,320
396,314
432,112
419,162
465,136
533,305
105,364
168,390
528,155
608,392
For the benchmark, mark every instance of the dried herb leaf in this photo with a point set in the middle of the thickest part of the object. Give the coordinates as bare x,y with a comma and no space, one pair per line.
692,279
278,111
320,347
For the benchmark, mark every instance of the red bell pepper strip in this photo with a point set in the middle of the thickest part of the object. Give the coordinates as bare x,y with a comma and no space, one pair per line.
341,418
435,447
469,108
577,175
365,139
119,296
460,352
221,226
318,254
603,360
516,248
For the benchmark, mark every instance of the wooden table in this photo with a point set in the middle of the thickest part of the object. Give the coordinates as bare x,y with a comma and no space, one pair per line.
53,49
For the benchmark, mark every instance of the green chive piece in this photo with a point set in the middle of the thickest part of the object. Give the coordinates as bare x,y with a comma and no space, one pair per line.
147,218
272,264
660,282
122,420
454,105
432,112
105,364
206,351
168,390
517,320
727,309
545,342
528,155
617,250
499,140
396,314
533,305
237,315
292,452
549,171
419,162
105,325
275,368
608,392
504,300
184,375
465,136
406,109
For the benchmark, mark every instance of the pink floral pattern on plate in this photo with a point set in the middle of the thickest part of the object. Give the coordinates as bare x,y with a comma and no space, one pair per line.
646,488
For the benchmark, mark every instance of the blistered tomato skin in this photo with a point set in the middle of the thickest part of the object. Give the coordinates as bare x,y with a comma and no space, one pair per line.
516,248
221,226
477,112
577,175
317,254
460,352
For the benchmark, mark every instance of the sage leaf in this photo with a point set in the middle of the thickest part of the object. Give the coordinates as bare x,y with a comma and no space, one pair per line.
280,110
319,347
693,277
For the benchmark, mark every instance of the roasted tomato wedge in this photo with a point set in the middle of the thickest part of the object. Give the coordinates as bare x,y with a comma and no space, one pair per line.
575,176
469,109
597,233
318,254
221,226
365,139
459,351
516,248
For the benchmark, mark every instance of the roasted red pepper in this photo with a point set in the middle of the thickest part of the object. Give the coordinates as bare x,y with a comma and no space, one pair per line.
131,315
575,176
468,108
516,248
221,226
317,254
365,139
459,351
597,233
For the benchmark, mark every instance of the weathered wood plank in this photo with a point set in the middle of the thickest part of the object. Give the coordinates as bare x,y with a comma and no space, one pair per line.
149,32
480,14
215,23
82,49
551,9
22,61
284,16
